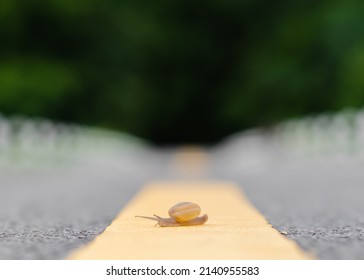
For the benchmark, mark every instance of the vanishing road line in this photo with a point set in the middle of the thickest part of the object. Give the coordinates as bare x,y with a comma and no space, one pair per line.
235,229
190,162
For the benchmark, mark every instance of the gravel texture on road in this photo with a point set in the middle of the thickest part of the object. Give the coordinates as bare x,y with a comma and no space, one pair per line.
318,203
44,214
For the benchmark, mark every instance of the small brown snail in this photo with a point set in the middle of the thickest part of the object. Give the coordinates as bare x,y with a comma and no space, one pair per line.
181,214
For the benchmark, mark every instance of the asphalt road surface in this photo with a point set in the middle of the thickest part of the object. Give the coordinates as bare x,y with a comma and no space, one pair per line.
319,205
316,199
47,212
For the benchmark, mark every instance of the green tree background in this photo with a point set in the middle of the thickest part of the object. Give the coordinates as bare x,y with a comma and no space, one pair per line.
180,71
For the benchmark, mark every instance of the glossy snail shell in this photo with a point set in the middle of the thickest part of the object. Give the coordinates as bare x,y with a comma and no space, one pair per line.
184,211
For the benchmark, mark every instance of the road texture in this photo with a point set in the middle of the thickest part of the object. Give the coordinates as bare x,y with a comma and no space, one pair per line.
316,200
46,213
319,206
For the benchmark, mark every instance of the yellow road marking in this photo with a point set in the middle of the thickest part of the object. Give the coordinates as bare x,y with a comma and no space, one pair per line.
235,229
190,162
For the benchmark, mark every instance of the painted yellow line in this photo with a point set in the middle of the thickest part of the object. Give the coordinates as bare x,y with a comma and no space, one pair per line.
235,229
190,162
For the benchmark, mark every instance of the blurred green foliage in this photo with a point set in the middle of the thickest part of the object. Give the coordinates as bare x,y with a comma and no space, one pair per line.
180,71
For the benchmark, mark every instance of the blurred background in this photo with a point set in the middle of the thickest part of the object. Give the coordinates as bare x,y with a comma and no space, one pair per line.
176,72
96,97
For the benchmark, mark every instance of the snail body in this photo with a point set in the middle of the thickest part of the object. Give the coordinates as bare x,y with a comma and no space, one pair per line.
181,214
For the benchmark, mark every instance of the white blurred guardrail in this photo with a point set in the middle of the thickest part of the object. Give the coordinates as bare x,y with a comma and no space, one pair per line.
324,135
327,137
27,142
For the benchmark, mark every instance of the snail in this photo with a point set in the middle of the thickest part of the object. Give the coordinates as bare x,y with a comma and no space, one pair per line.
181,214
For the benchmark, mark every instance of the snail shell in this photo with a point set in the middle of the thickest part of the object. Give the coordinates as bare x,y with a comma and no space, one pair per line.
184,211
181,214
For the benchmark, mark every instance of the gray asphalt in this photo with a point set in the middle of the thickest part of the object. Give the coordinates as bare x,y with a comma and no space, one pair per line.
317,203
45,213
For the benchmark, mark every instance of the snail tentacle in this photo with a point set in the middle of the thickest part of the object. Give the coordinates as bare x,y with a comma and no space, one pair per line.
145,217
